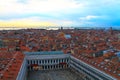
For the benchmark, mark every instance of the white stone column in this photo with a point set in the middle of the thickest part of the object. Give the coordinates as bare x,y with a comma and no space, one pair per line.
55,66
35,62
46,61
57,61
41,62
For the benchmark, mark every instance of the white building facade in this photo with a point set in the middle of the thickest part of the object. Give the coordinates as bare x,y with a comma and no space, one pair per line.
59,60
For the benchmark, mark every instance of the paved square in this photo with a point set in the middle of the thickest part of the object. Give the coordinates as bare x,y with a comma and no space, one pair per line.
66,74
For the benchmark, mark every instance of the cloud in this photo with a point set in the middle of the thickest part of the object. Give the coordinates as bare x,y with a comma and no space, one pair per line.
89,17
61,12
36,6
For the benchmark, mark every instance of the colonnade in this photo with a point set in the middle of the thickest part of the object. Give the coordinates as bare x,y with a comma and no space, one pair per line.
48,64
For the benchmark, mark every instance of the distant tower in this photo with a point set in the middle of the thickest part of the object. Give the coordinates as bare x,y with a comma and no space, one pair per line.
111,31
61,28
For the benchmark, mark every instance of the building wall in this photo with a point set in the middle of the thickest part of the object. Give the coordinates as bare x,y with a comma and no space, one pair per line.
23,71
91,72
47,62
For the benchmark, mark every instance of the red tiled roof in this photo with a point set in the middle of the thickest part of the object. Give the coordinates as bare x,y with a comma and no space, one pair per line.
12,67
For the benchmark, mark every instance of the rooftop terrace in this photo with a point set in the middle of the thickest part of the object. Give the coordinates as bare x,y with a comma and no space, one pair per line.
44,53
54,75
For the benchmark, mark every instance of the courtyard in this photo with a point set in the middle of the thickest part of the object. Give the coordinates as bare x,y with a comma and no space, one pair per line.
64,74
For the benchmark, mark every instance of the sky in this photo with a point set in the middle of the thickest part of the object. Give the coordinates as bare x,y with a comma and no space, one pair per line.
70,13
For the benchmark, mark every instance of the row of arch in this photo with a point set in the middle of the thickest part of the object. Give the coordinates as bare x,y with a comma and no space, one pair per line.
48,67
46,64
47,61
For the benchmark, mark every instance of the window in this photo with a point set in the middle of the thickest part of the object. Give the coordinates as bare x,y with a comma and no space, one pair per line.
40,61
34,61
54,60
28,61
37,61
48,61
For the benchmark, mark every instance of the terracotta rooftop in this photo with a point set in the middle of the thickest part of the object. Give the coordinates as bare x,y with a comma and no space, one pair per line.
10,63
86,45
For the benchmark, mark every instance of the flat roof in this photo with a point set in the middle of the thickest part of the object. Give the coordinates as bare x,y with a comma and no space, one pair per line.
44,53
32,57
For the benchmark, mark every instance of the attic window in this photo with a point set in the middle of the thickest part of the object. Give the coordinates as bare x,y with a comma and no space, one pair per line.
114,72
105,68
102,66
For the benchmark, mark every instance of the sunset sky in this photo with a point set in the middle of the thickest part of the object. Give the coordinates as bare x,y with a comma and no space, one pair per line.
80,13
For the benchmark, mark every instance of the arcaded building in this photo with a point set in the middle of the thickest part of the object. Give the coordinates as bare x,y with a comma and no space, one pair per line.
55,60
